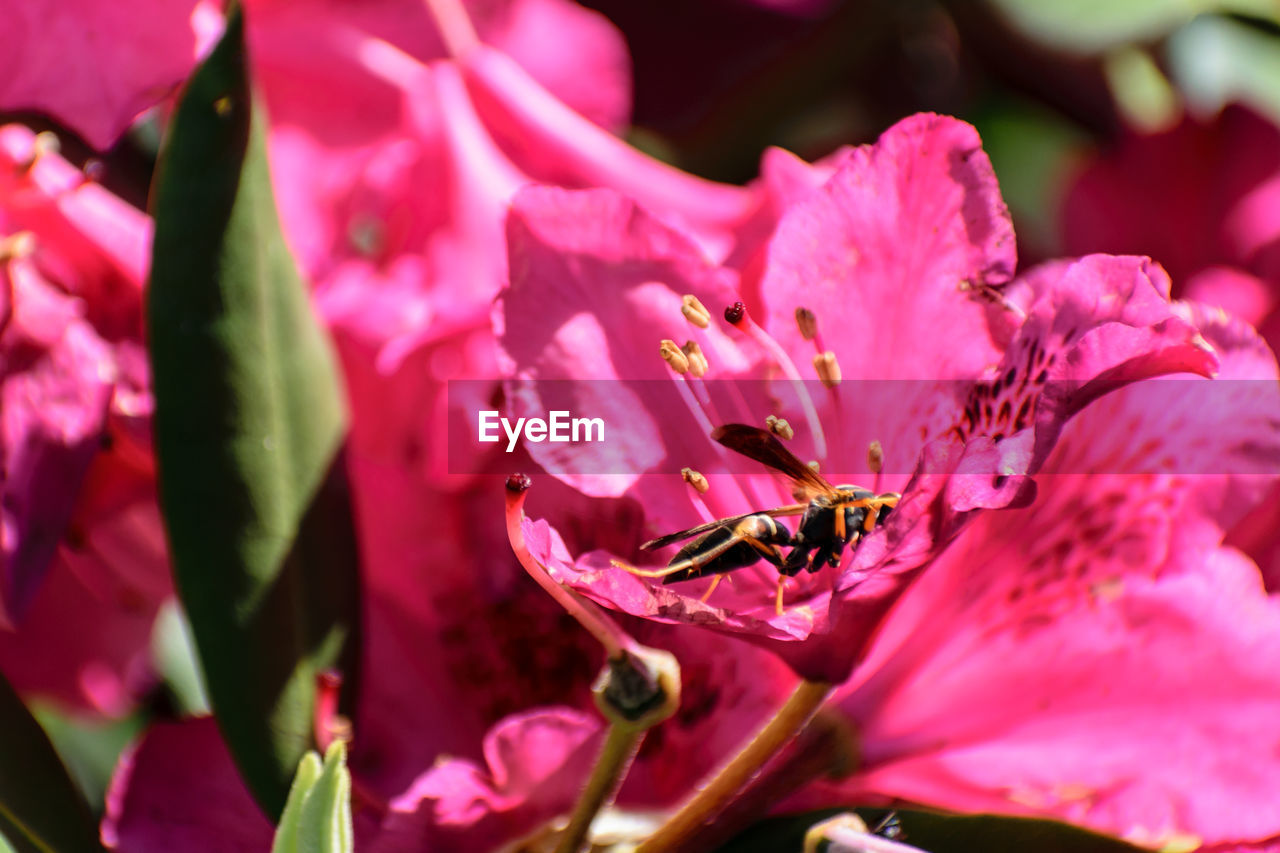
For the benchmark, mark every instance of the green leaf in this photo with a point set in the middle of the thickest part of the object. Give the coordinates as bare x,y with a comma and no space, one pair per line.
40,807
249,428
317,818
1092,26
937,832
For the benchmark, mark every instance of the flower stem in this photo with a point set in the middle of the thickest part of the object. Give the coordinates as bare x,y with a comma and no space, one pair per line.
718,792
620,747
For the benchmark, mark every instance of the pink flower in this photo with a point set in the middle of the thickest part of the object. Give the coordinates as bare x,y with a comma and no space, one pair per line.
1100,656
95,66
900,254
177,789
1204,198
82,542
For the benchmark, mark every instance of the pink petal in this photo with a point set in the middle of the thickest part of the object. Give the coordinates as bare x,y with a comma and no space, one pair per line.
536,761
94,66
1235,291
884,252
177,789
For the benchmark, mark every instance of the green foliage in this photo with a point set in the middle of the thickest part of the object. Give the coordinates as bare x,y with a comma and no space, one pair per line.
249,428
317,817
40,807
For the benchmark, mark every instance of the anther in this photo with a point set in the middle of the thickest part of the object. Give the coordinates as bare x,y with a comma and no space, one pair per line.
673,356
779,427
808,323
694,311
518,483
697,360
16,246
875,457
828,368
46,142
696,480
735,313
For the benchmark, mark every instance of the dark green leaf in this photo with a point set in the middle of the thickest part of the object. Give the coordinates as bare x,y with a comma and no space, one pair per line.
40,807
937,832
249,430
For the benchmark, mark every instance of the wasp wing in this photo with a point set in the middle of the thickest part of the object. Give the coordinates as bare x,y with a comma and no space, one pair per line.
765,448
790,509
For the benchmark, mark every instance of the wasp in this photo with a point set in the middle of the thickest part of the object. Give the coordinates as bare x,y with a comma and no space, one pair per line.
831,518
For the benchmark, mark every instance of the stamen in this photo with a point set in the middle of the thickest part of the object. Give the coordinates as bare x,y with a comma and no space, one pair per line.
694,311
808,323
698,365
46,142
779,427
673,356
696,480
455,26
93,171
779,355
875,462
329,724
989,293
17,246
828,368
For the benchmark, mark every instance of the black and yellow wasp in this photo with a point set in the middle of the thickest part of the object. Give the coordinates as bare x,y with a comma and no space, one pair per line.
831,517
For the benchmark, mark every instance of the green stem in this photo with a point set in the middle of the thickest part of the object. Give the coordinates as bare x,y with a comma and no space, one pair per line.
620,747
735,775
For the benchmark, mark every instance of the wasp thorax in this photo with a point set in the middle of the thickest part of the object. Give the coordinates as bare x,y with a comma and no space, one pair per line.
779,427
697,361
694,311
673,356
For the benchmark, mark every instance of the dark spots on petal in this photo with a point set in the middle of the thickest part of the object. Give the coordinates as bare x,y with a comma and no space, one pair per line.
1042,377
1024,412
1005,413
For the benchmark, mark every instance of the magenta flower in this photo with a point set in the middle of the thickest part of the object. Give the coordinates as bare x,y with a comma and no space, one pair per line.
81,542
900,255
177,789
1204,198
1099,657
95,66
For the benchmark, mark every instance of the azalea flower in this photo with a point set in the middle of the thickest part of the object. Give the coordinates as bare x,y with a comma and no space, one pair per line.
81,533
1204,197
1099,656
904,257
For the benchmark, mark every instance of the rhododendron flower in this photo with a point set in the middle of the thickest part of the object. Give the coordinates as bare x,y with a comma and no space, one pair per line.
177,789
95,66
1204,198
81,541
1100,656
901,255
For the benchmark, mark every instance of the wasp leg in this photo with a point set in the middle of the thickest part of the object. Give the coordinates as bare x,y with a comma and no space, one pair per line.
695,562
715,582
778,604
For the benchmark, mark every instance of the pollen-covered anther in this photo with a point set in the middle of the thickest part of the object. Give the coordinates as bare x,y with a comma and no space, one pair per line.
735,313
697,360
828,368
46,142
696,480
674,356
17,245
779,427
875,457
807,322
694,311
